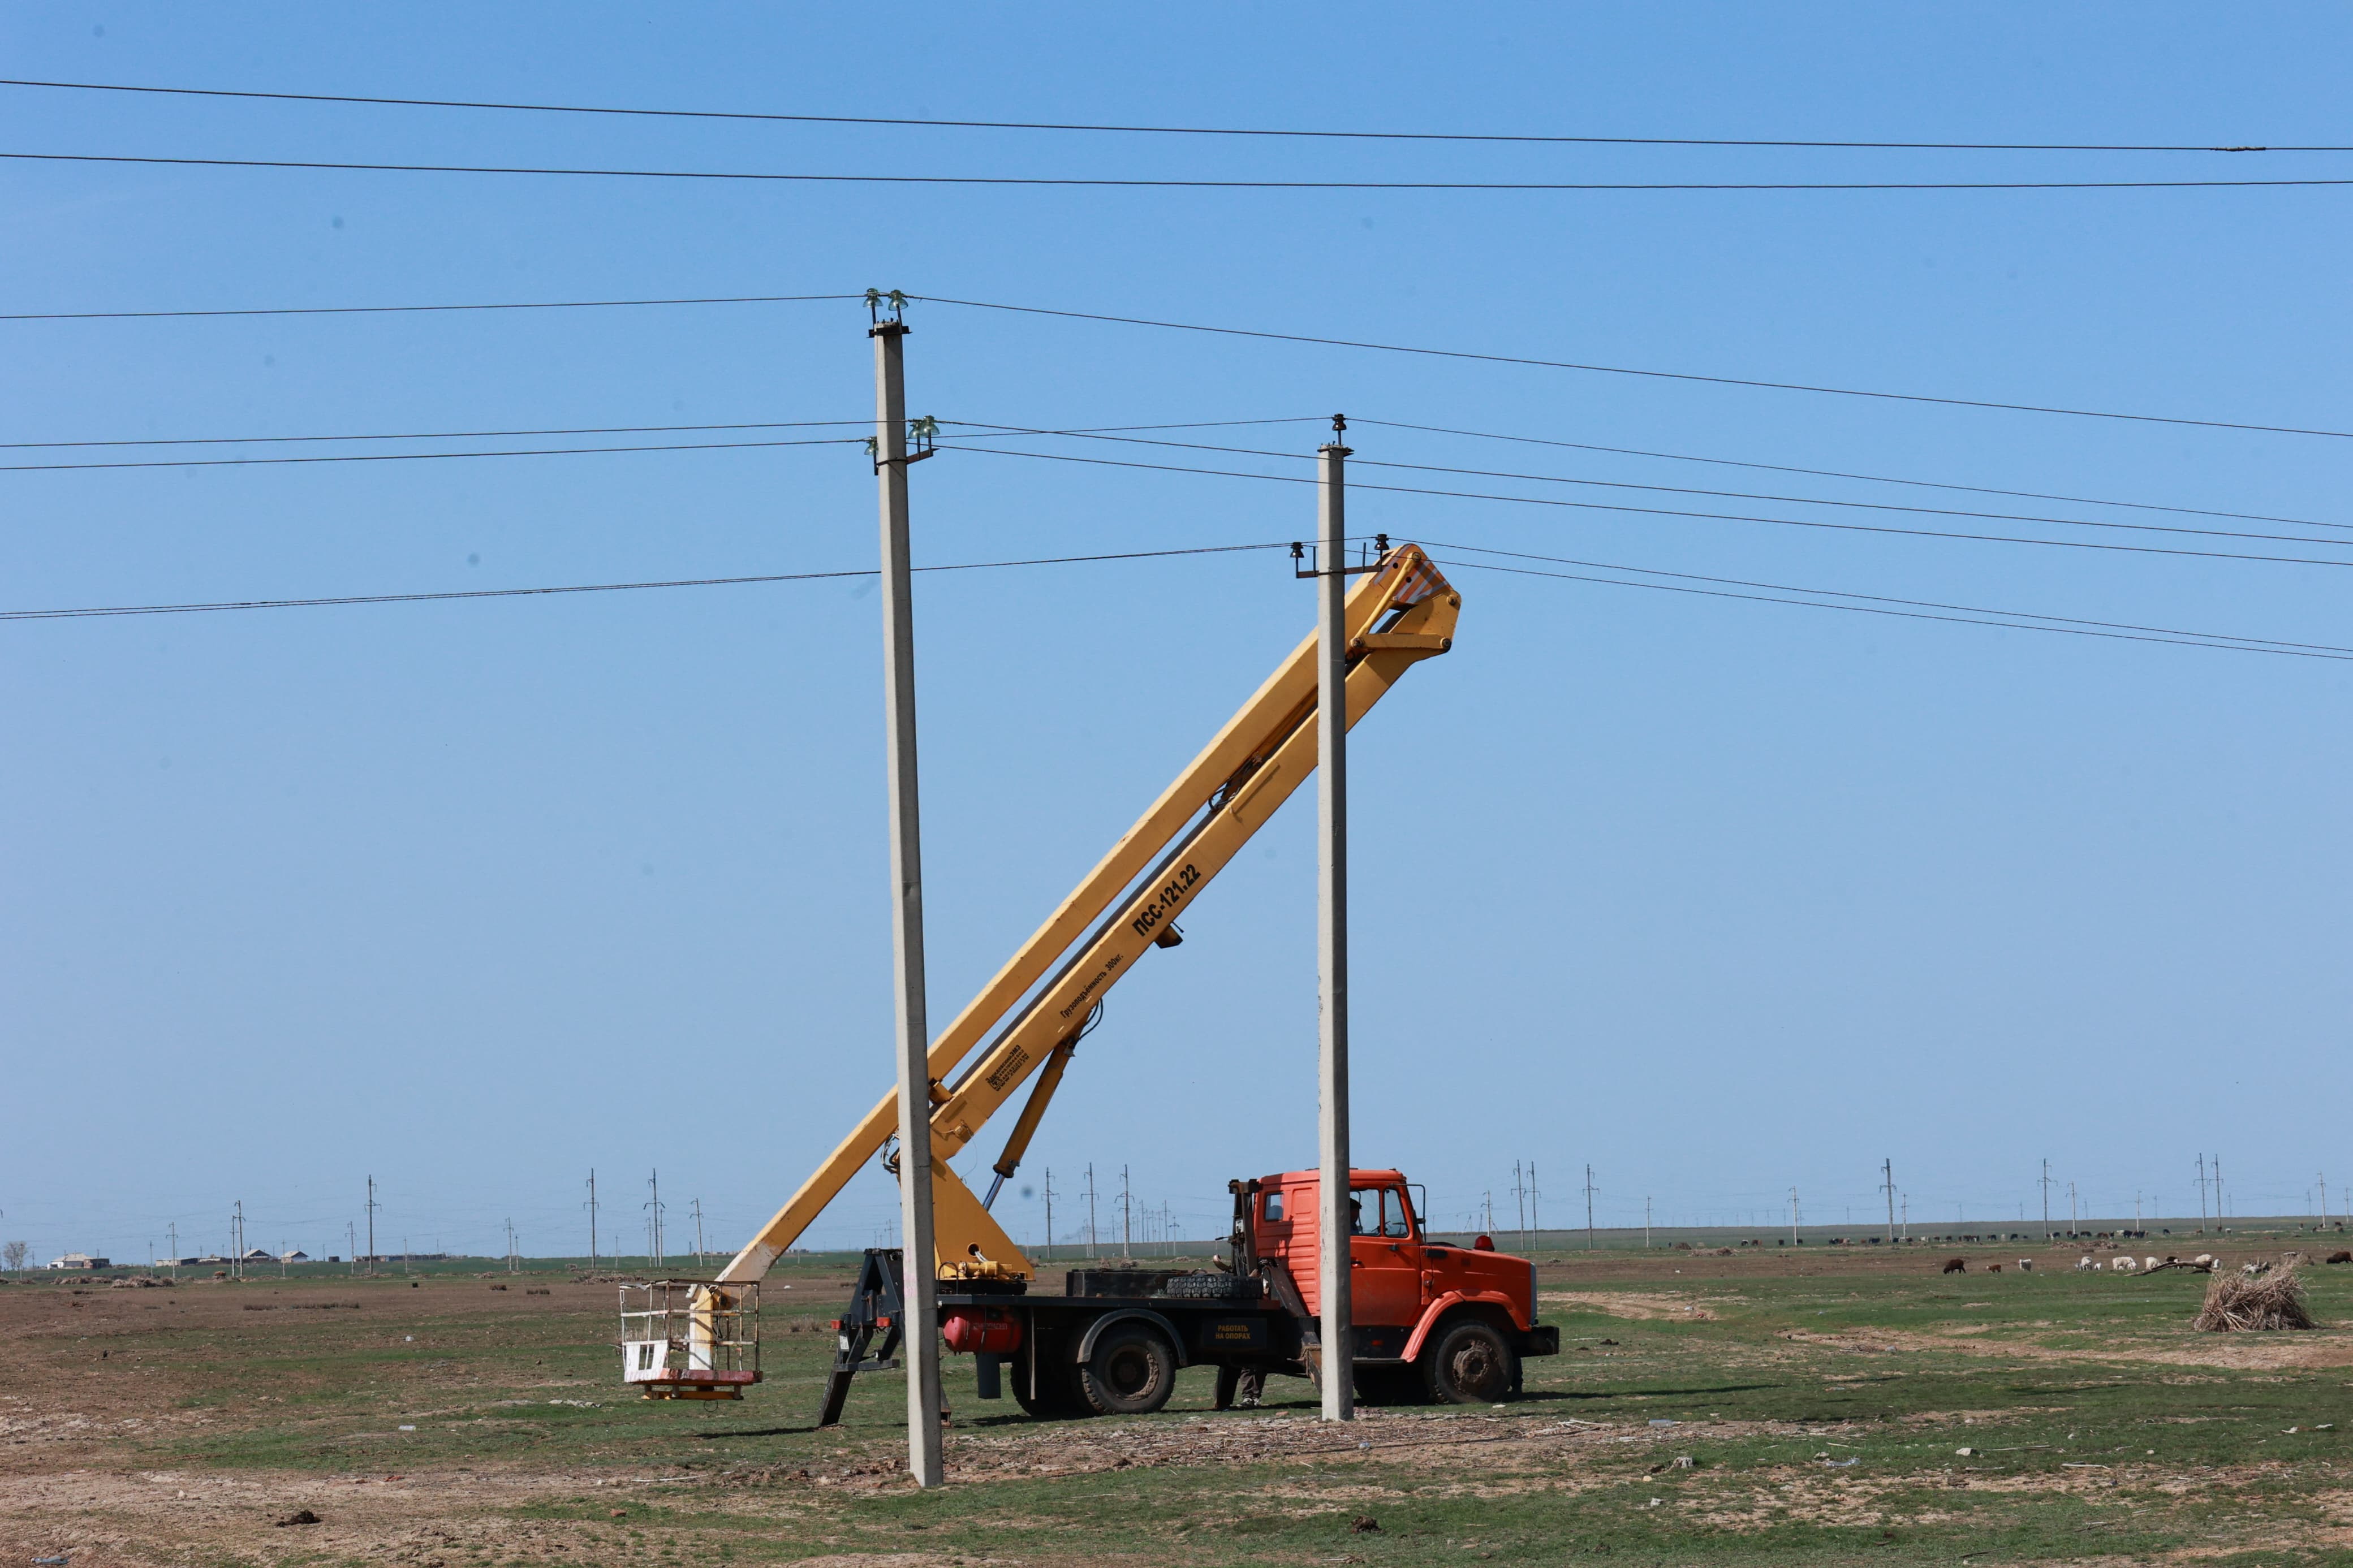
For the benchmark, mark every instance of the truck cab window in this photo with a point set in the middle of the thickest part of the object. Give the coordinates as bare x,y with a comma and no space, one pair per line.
1380,1211
1274,1207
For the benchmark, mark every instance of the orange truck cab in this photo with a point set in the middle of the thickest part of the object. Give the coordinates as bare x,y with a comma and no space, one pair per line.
1454,1320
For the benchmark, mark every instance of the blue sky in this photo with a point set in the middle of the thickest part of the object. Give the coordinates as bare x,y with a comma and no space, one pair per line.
1722,897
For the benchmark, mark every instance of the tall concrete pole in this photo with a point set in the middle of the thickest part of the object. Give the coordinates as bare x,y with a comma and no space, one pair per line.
1336,1299
919,1269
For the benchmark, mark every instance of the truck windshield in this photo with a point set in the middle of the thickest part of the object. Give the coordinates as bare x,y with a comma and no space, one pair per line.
1380,1211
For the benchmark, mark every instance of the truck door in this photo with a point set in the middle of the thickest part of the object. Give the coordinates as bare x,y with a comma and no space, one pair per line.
1386,1280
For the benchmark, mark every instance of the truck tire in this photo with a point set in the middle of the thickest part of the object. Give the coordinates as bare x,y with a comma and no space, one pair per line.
1057,1397
1469,1362
1132,1372
1389,1385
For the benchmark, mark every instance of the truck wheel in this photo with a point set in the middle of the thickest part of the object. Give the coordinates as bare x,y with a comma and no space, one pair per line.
1132,1372
1469,1364
1057,1397
1388,1385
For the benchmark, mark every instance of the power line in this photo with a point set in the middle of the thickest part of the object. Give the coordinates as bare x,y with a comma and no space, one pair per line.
425,310
1842,474
424,456
1626,370
1903,615
620,430
104,610
1170,129
1679,512
1728,495
421,434
1133,182
2331,649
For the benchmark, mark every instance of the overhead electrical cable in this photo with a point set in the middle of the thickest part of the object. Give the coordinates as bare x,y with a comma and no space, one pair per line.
428,310
1728,495
424,435
422,457
1249,333
1171,129
1885,599
1903,615
1842,474
1136,182
1664,512
606,430
1485,358
100,611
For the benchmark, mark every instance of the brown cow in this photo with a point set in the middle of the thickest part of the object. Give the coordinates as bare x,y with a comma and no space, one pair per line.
1957,1265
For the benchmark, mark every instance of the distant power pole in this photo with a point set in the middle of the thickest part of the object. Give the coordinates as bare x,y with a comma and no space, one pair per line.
2201,1189
1093,1236
591,1206
1588,1207
371,1206
236,1239
174,1228
351,1244
1126,1217
1050,1206
511,1244
1887,1181
698,1233
1520,1197
653,1208
2217,1168
2071,1225
2046,1200
1535,1219
1646,1225
1793,1216
2324,1200
1907,1216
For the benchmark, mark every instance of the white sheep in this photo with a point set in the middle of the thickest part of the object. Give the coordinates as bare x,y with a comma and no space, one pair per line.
2124,1264
2149,1263
2084,1265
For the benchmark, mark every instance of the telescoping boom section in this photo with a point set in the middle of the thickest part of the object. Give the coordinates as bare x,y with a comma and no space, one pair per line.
1400,611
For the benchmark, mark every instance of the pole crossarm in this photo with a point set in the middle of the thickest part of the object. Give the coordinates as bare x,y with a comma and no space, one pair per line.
1397,616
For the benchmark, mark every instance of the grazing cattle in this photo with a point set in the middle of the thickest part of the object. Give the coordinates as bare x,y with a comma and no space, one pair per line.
1993,1268
2124,1264
2152,1262
2340,1257
2026,1265
1961,1265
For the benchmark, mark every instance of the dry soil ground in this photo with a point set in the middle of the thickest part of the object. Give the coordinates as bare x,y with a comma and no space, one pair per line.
1835,1405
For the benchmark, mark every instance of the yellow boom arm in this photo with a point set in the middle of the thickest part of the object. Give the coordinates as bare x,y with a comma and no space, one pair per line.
1401,612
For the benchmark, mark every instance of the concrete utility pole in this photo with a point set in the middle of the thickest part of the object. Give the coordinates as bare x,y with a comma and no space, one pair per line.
653,1208
1887,1180
1049,1190
1091,1235
371,1219
1126,1217
698,1233
2046,1200
1536,1218
1646,1225
1336,1297
590,1206
919,1271
174,1229
1588,1208
2217,1168
2201,1189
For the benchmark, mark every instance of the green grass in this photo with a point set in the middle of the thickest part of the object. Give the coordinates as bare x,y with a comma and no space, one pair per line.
1788,1371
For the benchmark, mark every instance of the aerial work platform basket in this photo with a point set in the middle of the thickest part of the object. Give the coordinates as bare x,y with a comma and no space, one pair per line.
690,1339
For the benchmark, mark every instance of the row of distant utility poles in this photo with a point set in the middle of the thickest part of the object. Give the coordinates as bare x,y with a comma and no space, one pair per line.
921,1303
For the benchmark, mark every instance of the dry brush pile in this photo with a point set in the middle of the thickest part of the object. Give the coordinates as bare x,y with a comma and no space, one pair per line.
2271,1301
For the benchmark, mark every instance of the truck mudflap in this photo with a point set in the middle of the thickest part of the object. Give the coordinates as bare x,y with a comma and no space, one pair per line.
1540,1339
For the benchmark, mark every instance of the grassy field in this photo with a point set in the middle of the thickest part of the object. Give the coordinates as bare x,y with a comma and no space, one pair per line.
1833,1405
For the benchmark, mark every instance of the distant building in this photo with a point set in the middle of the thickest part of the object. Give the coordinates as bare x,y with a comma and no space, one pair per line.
81,1260
295,1257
